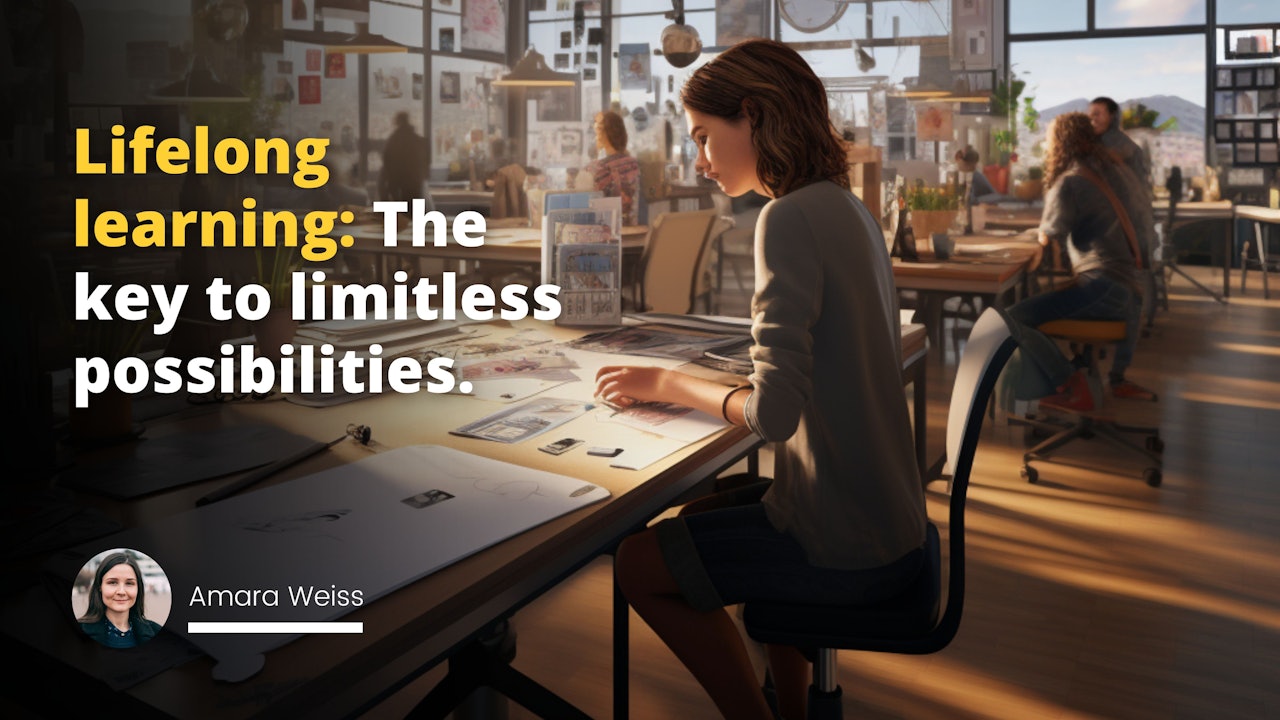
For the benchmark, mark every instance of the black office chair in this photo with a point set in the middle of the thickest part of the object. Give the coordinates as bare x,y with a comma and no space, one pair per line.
914,622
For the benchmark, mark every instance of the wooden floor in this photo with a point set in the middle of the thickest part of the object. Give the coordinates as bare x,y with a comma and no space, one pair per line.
1091,595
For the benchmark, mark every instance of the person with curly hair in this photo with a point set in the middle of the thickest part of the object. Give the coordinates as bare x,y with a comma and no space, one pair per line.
843,521
117,604
1104,266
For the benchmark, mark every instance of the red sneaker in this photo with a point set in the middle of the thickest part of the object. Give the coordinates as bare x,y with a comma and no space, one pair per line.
1075,395
1126,390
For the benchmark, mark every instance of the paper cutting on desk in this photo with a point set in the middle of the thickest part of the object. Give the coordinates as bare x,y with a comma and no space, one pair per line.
658,341
495,343
516,424
374,525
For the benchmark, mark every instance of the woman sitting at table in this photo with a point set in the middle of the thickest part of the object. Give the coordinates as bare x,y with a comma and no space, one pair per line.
1104,255
844,520
617,174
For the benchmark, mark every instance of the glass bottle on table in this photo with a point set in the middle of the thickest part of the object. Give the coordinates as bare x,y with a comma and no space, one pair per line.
904,240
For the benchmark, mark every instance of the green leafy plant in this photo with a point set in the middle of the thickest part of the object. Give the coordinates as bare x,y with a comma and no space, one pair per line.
1141,116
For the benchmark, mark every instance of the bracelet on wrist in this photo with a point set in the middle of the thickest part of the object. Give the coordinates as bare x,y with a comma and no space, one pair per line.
724,405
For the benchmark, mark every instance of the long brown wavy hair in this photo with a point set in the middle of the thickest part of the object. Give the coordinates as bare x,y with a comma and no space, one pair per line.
785,103
1071,140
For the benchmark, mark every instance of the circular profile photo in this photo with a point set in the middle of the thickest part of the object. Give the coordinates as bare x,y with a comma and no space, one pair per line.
121,598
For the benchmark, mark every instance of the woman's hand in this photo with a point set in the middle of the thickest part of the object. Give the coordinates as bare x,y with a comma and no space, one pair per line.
627,385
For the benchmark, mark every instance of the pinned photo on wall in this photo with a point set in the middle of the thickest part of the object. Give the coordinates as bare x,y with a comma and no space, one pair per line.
335,65
1224,103
738,20
314,57
446,39
1247,102
595,36
558,105
1224,78
484,26
593,57
417,86
633,65
968,8
284,67
297,14
561,61
566,40
308,89
1222,131
933,123
589,74
389,84
450,87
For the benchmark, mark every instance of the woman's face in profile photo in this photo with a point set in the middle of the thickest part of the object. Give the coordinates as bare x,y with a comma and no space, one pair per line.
725,152
119,588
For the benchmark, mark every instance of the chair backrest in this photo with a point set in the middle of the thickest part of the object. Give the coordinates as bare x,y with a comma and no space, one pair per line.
673,257
988,349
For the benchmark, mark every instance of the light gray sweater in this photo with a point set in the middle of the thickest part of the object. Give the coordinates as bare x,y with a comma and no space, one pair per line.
828,382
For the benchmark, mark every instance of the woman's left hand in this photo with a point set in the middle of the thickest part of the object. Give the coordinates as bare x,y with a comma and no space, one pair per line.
627,385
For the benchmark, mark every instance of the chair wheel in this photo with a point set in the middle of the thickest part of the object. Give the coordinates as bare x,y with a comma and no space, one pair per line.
1030,475
1155,444
1152,477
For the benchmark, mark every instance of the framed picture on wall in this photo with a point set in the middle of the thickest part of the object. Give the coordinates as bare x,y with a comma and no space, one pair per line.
1244,131
1267,130
1247,102
484,26
450,87
589,74
1266,77
1224,77
559,105
737,20
446,39
335,65
1269,153
1246,154
1222,130
1243,77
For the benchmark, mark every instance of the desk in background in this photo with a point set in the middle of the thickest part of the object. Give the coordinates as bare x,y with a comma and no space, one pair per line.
1190,212
1260,217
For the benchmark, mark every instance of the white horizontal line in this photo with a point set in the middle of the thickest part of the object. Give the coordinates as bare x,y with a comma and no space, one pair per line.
258,628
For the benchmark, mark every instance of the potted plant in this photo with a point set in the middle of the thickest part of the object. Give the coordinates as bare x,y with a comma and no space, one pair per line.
275,273
933,210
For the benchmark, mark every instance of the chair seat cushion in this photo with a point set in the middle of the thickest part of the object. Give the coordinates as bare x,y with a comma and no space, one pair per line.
912,614
1085,331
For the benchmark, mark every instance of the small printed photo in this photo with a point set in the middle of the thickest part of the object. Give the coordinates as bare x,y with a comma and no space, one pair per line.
1224,78
562,61
1266,77
1244,131
446,39
284,67
1224,103
335,65
566,40
1269,101
1246,154
1247,102
121,598
589,74
1224,154
1222,131
1244,77
593,57
1269,153
1267,130
577,59
427,499
450,87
